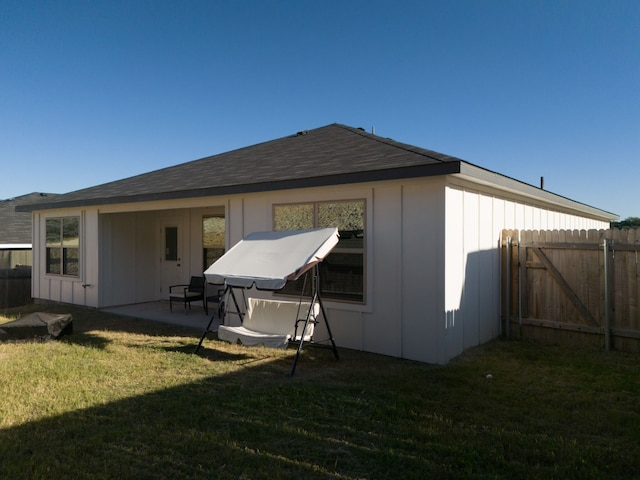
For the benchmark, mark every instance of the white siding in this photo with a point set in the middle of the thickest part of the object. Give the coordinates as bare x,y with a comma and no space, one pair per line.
385,243
454,275
128,258
422,243
235,220
472,272
489,277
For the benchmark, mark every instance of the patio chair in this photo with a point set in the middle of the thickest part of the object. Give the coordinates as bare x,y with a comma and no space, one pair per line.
186,294
217,296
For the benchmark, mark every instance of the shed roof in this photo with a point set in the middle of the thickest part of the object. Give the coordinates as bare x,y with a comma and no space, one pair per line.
331,155
15,227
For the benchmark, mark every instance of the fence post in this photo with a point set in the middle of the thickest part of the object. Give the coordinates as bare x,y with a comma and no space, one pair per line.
507,322
607,319
518,287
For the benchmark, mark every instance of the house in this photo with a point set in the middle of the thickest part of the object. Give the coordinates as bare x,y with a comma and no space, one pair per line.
416,274
15,251
15,231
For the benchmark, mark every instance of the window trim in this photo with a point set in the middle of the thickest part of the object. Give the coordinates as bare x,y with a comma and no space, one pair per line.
62,249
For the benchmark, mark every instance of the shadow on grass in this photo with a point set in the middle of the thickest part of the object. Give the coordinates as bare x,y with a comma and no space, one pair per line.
208,353
250,423
365,416
253,423
88,319
86,339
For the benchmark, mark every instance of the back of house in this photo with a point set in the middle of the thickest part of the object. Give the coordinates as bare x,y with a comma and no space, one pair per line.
416,272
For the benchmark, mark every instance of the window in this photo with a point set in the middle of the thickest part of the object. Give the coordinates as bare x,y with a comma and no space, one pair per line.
212,240
62,246
342,271
171,244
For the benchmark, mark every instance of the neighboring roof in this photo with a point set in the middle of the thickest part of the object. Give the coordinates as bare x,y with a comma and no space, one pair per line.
15,227
331,155
269,259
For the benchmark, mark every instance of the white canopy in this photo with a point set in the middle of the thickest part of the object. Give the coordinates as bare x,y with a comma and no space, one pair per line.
269,259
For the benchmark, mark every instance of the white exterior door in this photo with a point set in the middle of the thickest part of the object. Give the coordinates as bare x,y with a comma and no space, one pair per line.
171,241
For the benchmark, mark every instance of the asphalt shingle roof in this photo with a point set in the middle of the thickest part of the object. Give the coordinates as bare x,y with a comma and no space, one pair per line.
15,227
328,155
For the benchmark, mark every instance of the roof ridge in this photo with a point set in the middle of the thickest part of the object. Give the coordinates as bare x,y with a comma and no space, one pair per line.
395,144
24,196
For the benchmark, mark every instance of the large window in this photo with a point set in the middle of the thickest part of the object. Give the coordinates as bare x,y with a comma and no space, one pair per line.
62,246
212,239
342,272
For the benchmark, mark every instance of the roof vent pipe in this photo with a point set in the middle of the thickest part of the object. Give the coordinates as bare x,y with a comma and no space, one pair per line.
373,130
541,183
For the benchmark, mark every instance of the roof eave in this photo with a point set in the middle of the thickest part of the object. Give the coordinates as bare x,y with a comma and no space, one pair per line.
428,170
487,177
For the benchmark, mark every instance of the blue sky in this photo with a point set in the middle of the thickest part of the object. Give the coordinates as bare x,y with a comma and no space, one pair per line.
95,91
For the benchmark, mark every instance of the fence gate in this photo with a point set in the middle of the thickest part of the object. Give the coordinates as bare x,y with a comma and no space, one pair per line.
572,287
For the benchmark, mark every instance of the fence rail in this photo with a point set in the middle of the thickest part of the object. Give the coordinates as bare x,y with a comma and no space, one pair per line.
572,287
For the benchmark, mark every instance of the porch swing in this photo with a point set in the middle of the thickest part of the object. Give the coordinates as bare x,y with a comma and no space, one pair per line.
266,261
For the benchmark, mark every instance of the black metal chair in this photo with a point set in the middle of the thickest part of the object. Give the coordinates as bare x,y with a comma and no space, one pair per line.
193,292
216,296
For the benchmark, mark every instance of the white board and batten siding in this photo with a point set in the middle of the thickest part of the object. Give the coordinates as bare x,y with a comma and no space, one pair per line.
128,256
421,244
474,220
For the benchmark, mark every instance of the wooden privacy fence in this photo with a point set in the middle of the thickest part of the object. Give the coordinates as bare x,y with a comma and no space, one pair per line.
572,287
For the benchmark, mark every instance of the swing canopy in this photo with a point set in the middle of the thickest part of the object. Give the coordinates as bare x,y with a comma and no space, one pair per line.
267,260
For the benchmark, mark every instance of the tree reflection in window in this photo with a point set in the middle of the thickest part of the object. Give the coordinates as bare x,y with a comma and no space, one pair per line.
342,272
62,246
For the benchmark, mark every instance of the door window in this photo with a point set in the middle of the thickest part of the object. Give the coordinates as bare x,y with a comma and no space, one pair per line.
171,244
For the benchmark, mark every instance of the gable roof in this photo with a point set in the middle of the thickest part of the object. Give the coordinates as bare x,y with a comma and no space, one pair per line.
15,227
331,155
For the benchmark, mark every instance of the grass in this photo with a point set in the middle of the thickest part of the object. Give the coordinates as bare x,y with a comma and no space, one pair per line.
126,398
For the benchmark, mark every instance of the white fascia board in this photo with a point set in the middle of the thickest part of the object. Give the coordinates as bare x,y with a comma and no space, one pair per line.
15,246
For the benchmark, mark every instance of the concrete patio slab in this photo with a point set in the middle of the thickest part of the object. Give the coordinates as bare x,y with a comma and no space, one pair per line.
159,311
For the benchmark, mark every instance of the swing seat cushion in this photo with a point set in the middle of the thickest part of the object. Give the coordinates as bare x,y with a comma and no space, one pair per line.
271,323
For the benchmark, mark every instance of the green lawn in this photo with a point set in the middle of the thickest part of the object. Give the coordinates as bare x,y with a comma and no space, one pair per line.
125,398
